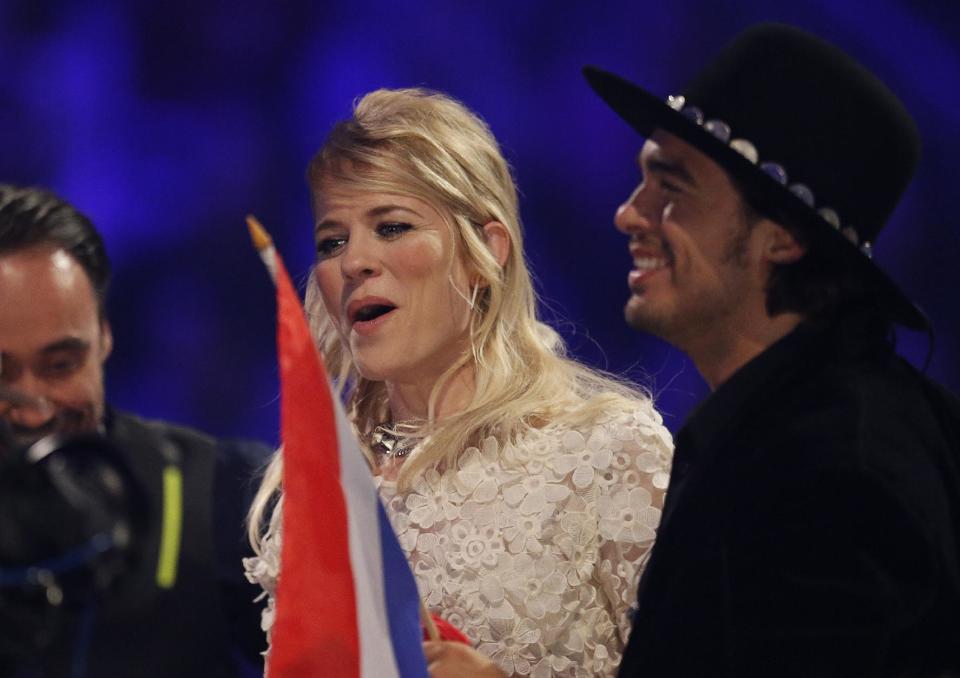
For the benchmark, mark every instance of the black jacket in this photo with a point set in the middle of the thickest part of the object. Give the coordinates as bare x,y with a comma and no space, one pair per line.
204,622
811,524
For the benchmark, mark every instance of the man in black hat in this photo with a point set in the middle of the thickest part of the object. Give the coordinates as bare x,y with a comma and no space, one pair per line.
811,523
183,607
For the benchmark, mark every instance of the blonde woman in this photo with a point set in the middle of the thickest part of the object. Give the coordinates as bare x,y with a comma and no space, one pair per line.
523,486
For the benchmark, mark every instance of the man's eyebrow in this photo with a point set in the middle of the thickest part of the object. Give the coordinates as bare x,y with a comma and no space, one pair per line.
68,344
378,211
672,169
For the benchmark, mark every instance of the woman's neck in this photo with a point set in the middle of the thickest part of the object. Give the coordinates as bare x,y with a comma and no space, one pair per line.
409,402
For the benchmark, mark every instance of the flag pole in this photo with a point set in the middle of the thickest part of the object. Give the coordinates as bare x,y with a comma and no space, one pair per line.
428,622
263,244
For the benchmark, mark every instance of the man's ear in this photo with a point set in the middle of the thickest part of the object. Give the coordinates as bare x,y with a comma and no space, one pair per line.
497,238
106,340
780,247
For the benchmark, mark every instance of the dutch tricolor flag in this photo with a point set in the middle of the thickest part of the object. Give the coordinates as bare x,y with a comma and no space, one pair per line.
347,603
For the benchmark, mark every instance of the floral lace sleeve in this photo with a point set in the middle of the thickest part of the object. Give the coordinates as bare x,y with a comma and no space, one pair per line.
631,494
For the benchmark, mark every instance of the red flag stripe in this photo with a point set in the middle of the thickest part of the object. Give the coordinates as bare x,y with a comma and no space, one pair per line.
315,631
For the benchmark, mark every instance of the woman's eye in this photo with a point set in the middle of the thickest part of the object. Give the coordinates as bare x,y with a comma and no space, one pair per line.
393,229
329,246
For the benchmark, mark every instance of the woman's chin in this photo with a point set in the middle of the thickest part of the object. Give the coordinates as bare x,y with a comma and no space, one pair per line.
374,368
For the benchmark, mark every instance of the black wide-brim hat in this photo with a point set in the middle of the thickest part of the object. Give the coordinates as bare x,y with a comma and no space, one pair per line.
814,140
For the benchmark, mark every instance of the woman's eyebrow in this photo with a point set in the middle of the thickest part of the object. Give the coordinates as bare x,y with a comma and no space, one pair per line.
325,225
380,210
372,213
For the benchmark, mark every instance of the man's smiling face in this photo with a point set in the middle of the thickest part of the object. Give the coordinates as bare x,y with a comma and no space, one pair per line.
689,240
53,343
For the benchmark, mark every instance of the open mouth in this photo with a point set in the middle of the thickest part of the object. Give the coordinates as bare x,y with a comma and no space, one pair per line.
649,263
371,312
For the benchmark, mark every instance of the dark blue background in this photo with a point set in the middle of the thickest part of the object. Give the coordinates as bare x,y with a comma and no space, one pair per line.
167,122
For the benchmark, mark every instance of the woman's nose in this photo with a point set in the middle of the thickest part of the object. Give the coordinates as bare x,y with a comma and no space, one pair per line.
360,259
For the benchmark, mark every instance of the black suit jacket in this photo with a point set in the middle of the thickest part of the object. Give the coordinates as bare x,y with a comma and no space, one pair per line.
205,623
811,523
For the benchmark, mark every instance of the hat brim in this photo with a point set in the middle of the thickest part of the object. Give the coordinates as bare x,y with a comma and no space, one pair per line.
647,113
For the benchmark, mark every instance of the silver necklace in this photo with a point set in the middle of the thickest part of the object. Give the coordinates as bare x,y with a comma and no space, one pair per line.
386,440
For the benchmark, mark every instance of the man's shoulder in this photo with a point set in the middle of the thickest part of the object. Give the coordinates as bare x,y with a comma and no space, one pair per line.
871,421
127,423
188,440
859,395
866,415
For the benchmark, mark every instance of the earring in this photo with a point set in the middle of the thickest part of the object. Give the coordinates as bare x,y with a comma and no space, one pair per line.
473,297
472,301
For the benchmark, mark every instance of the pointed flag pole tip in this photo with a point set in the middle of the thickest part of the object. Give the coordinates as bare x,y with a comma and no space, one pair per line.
258,234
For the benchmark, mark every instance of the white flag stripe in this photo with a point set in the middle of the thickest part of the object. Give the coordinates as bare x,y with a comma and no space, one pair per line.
376,652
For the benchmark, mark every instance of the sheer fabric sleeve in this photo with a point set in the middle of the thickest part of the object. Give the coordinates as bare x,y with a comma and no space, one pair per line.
629,503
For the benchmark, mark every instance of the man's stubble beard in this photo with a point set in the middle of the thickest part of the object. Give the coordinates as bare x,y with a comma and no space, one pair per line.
68,421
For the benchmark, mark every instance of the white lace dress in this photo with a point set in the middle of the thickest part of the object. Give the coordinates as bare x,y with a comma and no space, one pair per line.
534,550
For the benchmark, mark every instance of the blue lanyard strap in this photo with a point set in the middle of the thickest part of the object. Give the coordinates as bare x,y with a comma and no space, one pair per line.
33,574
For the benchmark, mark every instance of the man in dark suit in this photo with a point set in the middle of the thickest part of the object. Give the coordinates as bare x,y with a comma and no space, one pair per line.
811,522
183,608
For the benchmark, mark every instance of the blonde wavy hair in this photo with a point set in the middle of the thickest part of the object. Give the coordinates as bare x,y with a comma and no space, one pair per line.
427,145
